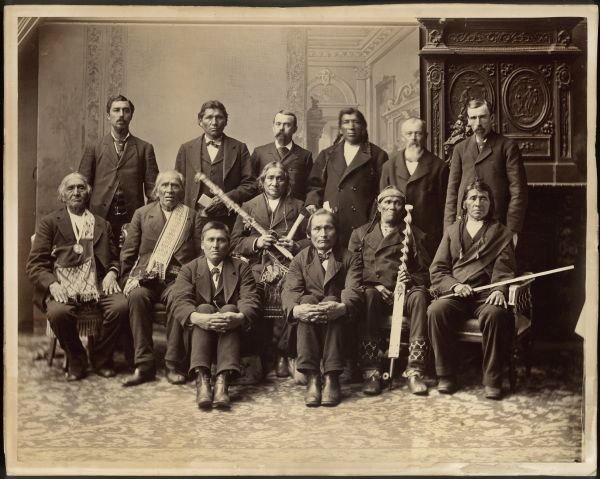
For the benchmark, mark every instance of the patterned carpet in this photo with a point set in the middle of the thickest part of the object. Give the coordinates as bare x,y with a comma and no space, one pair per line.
96,424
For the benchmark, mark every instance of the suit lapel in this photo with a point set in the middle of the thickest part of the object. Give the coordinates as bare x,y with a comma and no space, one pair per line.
359,160
204,281
390,240
284,208
130,151
109,148
315,269
65,226
423,167
156,220
229,155
98,231
487,148
337,161
333,266
274,153
401,170
229,279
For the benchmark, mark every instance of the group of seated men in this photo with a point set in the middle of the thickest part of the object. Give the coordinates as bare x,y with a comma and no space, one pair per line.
327,248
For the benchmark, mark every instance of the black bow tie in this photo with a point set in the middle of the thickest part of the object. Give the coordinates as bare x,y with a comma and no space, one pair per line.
323,256
216,144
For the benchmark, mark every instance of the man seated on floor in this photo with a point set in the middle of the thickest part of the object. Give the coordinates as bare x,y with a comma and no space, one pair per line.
73,264
475,251
322,290
162,237
380,244
214,299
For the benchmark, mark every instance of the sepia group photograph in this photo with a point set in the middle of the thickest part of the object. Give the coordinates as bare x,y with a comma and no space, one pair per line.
303,239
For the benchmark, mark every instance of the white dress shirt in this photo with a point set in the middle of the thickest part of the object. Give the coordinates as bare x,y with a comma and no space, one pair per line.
350,152
211,267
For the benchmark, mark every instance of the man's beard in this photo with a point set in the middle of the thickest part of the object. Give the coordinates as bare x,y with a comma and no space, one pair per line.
413,152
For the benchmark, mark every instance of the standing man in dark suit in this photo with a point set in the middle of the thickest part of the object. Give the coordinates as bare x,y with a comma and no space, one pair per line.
74,264
162,237
322,290
345,176
214,300
225,160
296,159
494,159
120,168
423,178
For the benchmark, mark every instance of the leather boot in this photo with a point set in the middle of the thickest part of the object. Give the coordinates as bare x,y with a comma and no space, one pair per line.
281,370
372,382
312,398
331,390
416,385
204,394
221,395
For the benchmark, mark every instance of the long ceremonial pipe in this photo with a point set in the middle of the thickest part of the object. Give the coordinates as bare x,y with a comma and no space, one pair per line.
514,280
232,205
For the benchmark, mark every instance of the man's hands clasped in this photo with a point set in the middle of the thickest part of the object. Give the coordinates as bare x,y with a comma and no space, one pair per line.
217,322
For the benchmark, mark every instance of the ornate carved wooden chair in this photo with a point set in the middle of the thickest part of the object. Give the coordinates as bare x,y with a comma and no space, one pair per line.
520,304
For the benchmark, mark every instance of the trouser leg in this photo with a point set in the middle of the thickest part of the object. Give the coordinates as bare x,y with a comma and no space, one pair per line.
307,342
228,346
331,337
176,355
115,312
443,316
496,325
141,302
418,347
376,309
63,321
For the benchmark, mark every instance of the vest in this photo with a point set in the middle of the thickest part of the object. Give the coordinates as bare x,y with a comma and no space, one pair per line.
213,170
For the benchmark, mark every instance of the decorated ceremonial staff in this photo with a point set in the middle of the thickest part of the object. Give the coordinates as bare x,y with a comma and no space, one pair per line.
395,279
269,231
399,296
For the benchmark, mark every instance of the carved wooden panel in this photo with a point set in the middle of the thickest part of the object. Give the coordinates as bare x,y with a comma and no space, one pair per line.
522,68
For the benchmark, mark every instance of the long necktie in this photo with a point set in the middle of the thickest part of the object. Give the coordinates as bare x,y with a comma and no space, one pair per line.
283,151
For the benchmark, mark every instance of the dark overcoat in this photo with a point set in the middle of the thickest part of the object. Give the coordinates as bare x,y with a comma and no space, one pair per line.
135,172
499,164
381,256
425,190
350,190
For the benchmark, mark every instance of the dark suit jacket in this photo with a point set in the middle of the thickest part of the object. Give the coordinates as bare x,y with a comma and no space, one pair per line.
192,288
306,277
425,190
488,260
350,191
298,162
239,183
143,233
54,240
243,238
381,256
136,173
500,165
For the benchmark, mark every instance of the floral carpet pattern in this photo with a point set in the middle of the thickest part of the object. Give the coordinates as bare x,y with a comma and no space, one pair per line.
96,423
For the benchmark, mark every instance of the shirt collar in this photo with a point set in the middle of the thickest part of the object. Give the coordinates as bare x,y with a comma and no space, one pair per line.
289,146
212,266
124,140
